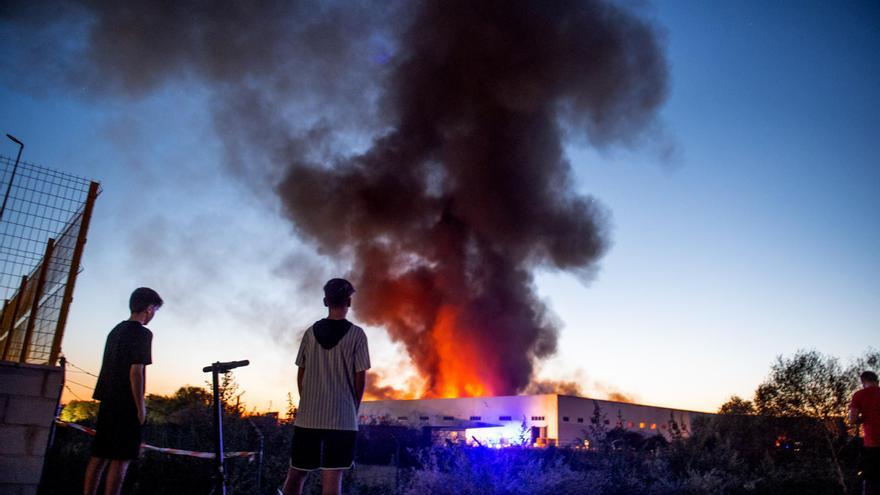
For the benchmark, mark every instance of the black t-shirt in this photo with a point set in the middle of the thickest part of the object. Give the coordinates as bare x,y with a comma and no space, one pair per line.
128,343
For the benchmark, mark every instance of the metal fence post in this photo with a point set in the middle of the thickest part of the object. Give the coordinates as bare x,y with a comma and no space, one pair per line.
14,170
13,316
35,304
74,270
2,326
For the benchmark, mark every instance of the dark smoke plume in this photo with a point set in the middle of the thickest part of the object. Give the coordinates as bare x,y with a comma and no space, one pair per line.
469,191
463,189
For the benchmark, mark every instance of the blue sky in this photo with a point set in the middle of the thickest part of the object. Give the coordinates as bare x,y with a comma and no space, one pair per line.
759,236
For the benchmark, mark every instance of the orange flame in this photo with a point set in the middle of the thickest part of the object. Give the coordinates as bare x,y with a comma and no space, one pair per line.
461,367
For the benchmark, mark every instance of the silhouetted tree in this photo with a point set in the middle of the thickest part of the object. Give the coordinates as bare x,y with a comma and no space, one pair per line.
598,429
807,384
524,435
290,414
870,360
737,405
811,385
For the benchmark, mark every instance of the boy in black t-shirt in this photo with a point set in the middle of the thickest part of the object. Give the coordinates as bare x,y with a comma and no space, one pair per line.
120,389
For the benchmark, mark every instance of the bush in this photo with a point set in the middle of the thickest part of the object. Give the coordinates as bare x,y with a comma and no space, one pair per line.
462,470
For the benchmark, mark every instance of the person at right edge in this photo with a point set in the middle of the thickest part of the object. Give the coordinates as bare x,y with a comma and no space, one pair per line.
333,360
865,410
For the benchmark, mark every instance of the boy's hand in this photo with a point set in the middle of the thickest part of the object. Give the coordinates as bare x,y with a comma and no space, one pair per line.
136,377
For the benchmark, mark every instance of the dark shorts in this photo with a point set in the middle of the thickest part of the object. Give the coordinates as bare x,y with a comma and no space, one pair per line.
870,463
118,432
322,449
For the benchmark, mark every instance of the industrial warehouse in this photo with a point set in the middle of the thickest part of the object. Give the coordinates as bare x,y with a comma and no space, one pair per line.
537,420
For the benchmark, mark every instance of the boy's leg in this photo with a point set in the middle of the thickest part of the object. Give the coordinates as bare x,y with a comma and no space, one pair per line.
117,442
331,481
115,477
93,475
338,457
305,456
293,485
871,468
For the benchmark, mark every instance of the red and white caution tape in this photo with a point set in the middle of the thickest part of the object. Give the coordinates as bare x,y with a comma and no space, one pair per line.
189,453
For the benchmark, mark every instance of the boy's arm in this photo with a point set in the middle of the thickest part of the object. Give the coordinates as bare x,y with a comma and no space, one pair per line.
136,377
361,365
853,415
360,383
854,411
300,373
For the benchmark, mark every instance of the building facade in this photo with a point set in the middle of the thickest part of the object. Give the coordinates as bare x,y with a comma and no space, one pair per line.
538,420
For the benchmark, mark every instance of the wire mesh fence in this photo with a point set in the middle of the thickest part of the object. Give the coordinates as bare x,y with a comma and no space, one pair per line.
43,223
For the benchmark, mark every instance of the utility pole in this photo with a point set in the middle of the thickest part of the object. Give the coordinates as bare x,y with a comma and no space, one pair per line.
12,177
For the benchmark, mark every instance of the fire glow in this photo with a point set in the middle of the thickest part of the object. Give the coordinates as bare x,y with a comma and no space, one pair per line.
448,213
459,373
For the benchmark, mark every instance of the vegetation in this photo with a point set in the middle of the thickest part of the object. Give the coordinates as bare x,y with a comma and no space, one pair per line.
788,439
77,411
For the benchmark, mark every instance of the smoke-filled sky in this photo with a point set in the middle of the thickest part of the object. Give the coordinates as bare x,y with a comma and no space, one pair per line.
649,200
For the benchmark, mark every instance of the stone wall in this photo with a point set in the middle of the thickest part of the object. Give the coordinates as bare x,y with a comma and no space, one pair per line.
29,397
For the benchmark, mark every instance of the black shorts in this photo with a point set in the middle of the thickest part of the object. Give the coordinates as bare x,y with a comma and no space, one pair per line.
118,432
870,463
322,449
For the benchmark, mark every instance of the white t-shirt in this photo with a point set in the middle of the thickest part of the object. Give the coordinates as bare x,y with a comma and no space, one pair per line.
327,398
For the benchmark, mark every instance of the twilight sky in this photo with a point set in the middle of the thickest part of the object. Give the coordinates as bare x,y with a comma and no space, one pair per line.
756,236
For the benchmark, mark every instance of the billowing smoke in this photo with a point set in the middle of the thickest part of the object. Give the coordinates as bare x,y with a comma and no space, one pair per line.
580,385
462,189
449,212
562,387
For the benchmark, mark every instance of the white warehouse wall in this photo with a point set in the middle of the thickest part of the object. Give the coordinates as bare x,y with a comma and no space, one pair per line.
648,420
559,414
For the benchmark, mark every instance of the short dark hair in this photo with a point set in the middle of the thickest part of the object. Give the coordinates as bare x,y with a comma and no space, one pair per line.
868,376
337,291
142,298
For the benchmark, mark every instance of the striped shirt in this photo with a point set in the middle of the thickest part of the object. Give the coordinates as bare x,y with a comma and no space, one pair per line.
327,399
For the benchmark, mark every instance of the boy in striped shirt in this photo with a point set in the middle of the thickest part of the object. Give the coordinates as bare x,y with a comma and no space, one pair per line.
333,360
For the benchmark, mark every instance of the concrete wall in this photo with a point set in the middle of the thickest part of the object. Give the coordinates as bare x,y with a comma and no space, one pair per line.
28,400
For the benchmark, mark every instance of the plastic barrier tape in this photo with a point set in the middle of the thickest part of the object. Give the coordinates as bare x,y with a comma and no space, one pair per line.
189,453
